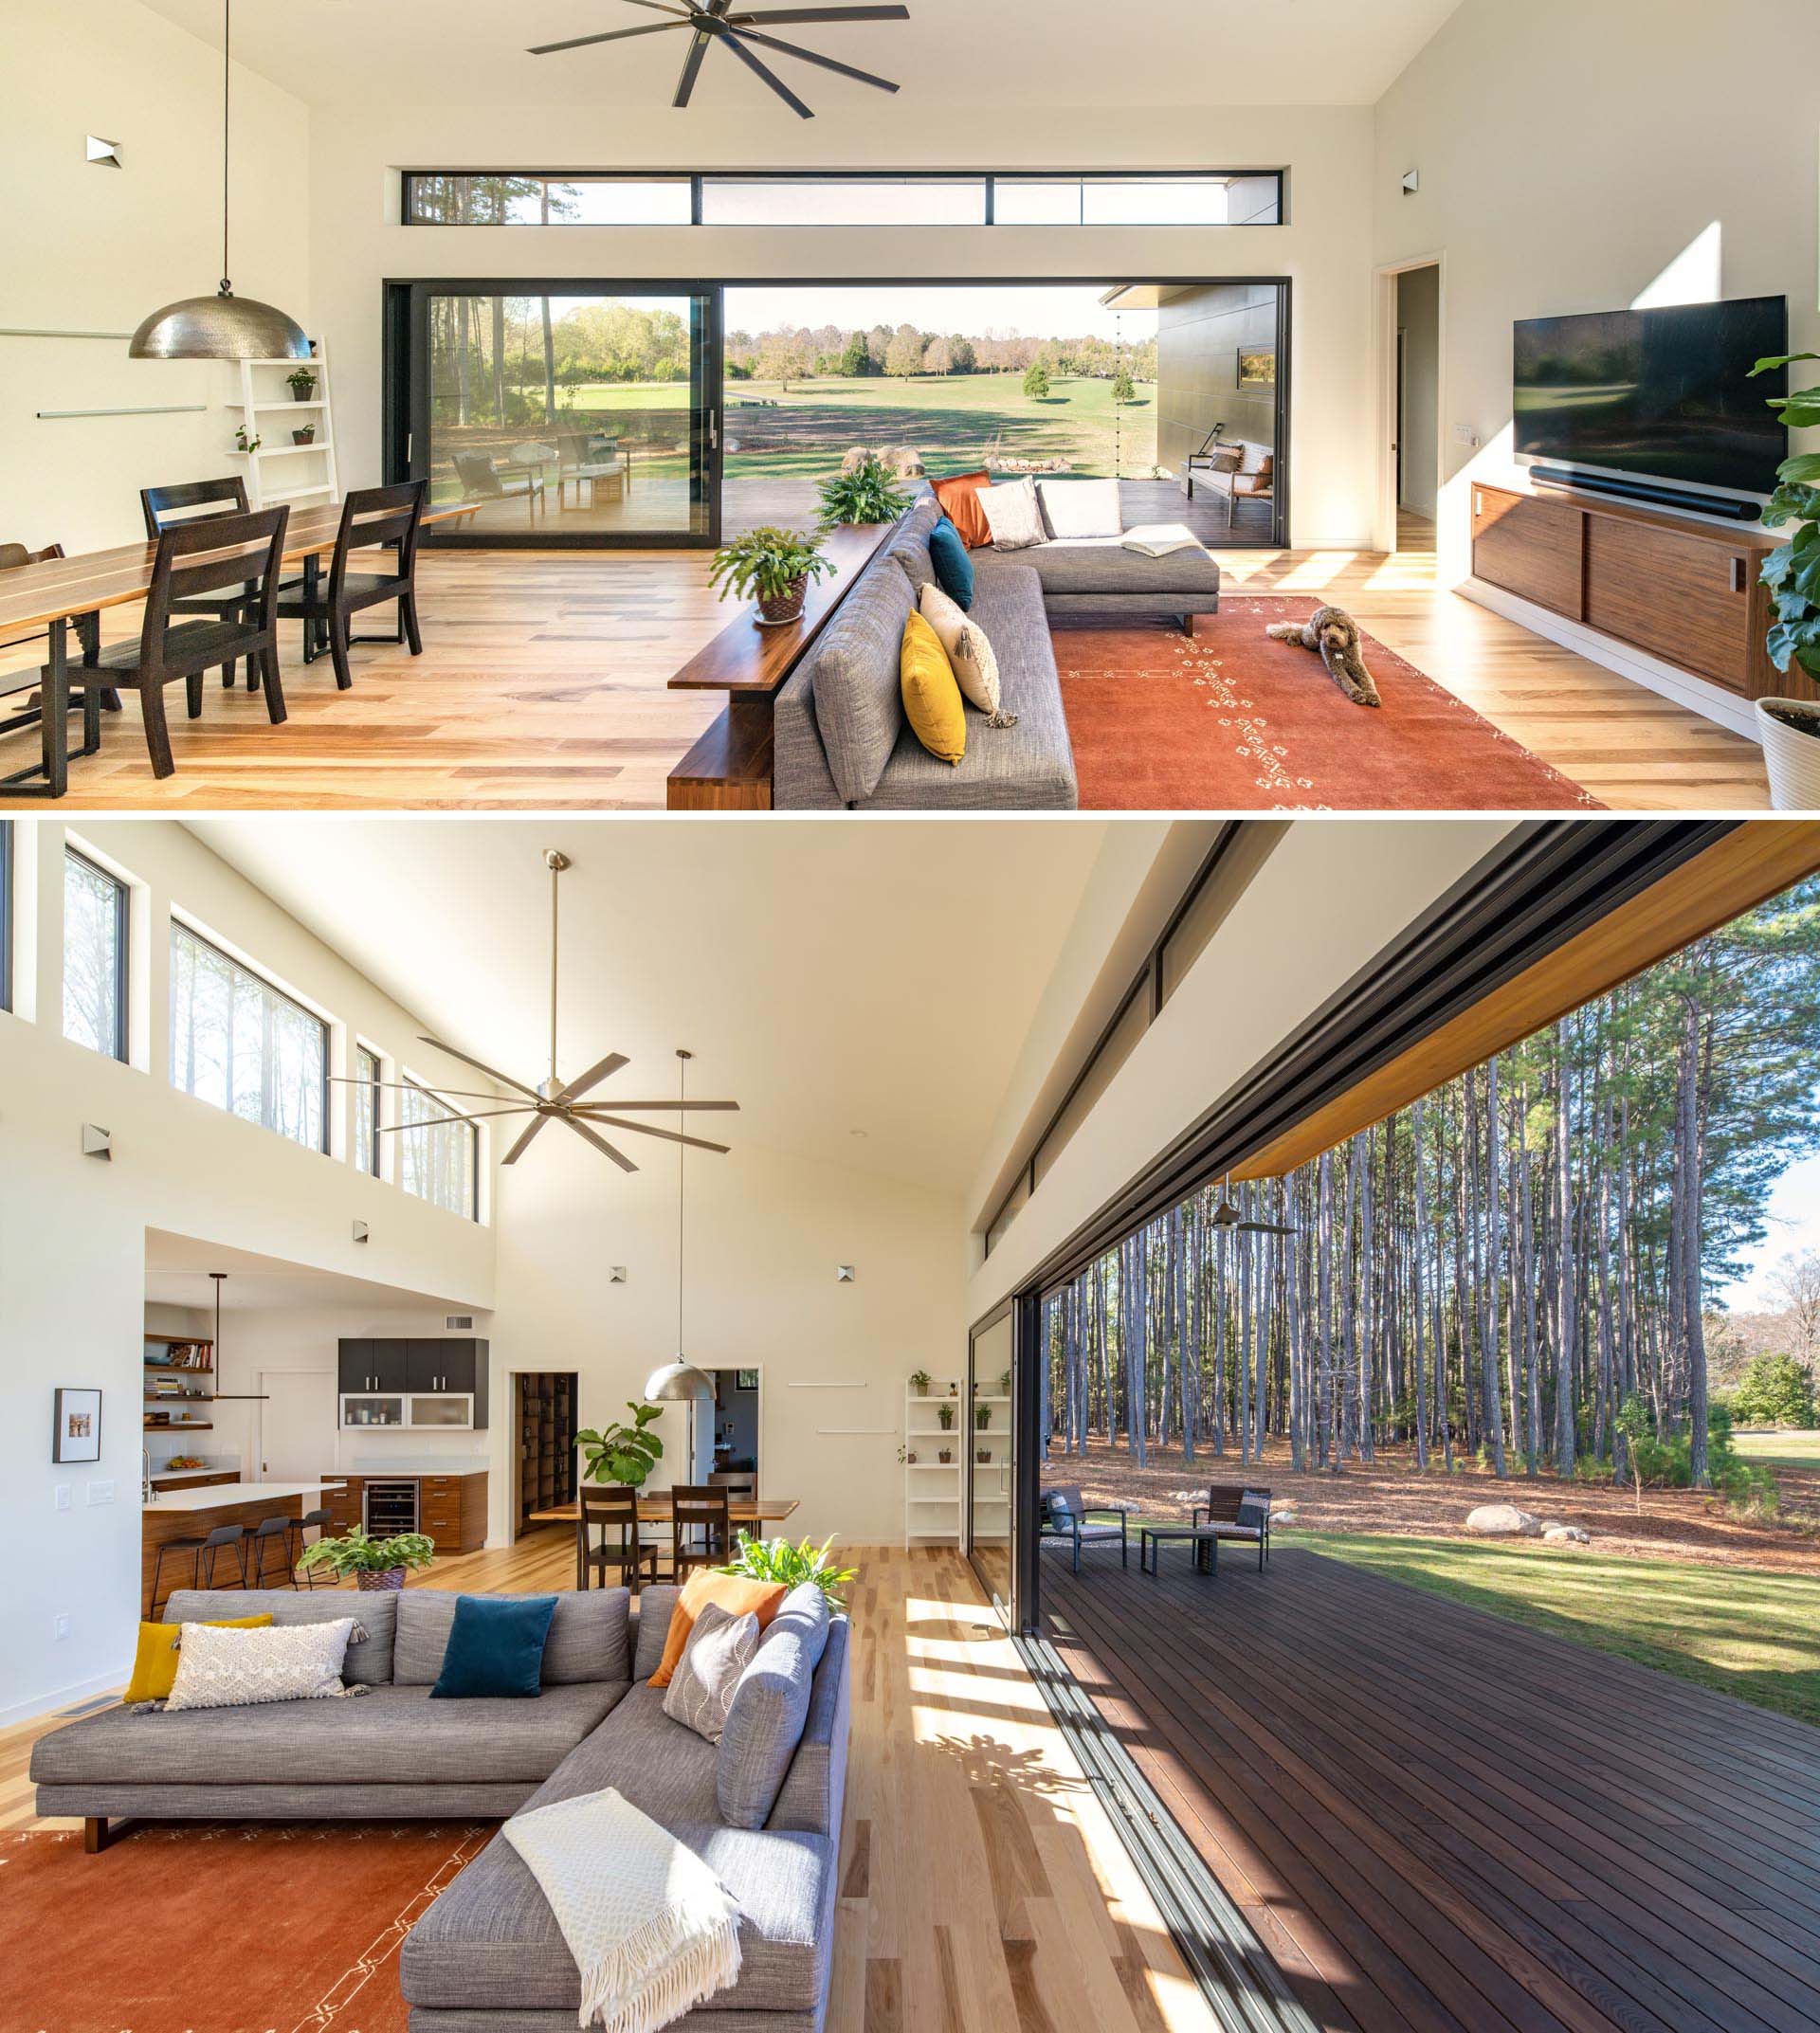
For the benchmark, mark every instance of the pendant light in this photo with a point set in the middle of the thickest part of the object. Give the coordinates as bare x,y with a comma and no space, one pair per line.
679,1380
223,326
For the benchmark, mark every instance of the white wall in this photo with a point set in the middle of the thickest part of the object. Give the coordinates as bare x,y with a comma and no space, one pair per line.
1570,154
358,244
72,1229
765,1233
93,249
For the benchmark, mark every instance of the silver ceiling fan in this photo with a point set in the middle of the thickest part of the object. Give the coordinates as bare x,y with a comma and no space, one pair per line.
1225,1215
553,1100
714,21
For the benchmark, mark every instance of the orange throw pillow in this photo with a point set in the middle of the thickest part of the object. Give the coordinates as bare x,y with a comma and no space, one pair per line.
959,500
734,1593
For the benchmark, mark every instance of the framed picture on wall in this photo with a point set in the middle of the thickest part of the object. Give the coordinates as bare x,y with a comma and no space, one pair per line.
76,1426
745,1379
1257,367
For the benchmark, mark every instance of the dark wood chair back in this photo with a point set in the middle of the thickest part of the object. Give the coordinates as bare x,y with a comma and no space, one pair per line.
736,1481
612,1510
206,556
703,1526
375,516
1231,1503
191,500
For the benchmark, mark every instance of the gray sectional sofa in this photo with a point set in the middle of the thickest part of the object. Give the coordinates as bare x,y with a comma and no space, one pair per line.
840,738
488,1957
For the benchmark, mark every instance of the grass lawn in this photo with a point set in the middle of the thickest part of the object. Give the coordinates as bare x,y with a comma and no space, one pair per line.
1773,1448
1746,1632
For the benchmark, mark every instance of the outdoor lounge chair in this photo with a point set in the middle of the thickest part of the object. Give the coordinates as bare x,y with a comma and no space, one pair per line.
583,455
486,479
1236,1512
1068,1521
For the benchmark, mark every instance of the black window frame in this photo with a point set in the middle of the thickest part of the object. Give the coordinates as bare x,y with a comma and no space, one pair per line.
364,1056
221,952
473,1212
8,916
122,945
697,181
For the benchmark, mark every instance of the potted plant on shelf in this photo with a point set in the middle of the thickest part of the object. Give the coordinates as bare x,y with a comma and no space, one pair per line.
306,435
243,443
983,1454
373,1563
1790,728
919,1382
773,567
301,384
1004,1383
982,1416
778,1560
865,494
621,1453
944,1454
945,1413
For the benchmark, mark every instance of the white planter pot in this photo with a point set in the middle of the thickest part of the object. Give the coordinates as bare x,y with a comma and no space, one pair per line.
1792,758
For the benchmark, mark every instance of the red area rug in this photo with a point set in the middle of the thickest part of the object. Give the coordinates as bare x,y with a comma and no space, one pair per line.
1229,720
209,1928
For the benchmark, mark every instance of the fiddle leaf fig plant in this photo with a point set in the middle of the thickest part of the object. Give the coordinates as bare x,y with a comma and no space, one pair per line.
622,1452
1792,572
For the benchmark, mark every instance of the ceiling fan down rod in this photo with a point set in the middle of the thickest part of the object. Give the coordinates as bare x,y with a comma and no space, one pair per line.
555,862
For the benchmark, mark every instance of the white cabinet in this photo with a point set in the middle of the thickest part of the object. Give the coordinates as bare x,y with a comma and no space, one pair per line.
434,1411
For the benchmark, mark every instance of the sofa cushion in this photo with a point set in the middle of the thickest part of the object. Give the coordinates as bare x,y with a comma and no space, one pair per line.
655,1607
909,543
854,671
932,700
495,1649
1014,515
1088,565
1081,508
764,1725
491,1940
154,1660
720,1649
805,1612
375,1610
222,1667
960,498
590,1637
740,1593
391,1735
954,569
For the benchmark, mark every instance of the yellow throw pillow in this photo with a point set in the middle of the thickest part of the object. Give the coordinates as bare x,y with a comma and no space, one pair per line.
154,1664
931,702
734,1593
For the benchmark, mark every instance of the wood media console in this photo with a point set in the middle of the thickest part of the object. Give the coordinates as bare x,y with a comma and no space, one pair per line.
1687,594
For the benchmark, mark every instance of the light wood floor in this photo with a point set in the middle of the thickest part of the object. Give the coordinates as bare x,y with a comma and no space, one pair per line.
982,1886
543,687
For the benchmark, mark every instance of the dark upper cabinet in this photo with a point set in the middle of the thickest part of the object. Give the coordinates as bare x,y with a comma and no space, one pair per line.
457,1365
374,1366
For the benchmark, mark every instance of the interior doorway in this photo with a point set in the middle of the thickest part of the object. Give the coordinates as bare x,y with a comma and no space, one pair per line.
726,1435
297,1425
544,1420
1415,440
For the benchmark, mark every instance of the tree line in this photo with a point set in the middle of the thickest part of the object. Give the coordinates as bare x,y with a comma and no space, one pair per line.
1515,1268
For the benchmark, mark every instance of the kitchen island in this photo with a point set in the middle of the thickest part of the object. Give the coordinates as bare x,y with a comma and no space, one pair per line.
193,1514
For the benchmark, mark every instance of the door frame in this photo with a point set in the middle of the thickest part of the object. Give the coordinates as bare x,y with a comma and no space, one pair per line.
334,1382
1387,355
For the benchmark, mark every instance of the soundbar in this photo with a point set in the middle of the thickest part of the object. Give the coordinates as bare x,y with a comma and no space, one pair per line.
1728,507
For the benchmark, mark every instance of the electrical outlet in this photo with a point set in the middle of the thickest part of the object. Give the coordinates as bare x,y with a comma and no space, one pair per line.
60,1496
100,1492
60,1626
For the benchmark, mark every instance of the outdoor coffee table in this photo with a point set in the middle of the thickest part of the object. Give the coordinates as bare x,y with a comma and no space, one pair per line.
1207,1546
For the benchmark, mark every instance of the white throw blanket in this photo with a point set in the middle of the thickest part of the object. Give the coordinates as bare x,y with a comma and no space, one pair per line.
1159,540
653,1930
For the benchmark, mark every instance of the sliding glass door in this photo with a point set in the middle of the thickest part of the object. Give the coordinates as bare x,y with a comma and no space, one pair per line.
560,413
987,1449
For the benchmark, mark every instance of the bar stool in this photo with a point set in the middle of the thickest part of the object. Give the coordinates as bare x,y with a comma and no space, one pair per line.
269,1531
211,1548
324,1523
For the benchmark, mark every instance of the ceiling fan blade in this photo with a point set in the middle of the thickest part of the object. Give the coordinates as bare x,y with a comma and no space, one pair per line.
460,1094
761,70
594,1075
1265,1227
517,1149
626,1108
662,6
612,35
691,67
819,13
480,1066
669,1136
431,1122
600,1143
810,56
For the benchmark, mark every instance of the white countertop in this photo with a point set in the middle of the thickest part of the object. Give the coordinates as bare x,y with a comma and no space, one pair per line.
408,1465
225,1494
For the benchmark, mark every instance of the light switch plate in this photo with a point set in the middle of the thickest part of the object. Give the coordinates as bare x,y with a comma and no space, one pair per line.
60,1496
100,1492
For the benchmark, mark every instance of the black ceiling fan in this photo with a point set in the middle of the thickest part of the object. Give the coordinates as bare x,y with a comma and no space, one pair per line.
712,21
1225,1215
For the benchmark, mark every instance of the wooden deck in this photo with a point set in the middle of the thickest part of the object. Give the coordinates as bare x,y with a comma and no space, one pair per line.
1438,1819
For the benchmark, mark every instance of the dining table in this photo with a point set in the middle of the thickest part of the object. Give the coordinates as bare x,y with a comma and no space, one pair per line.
53,593
655,1510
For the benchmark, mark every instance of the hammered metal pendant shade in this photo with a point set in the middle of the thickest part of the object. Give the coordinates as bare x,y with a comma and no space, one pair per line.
223,327
676,1380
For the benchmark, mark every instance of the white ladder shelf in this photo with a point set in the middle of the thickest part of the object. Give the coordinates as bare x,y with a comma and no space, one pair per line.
284,471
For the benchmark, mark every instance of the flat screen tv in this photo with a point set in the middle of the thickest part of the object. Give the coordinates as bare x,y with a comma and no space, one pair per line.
1663,395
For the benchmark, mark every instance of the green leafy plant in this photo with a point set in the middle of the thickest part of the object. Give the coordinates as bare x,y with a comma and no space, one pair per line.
1792,572
778,1560
301,384
982,1416
1773,1391
621,1453
945,1413
919,1381
770,565
865,495
355,1553
1124,391
1036,382
243,443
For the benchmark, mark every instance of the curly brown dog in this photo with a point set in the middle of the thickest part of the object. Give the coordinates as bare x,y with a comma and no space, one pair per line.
1334,633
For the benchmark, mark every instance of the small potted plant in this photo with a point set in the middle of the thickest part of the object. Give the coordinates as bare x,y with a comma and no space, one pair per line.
983,1454
778,1560
945,1413
1790,728
373,1563
301,384
243,443
772,567
621,1453
865,494
1004,1383
907,1456
944,1455
919,1382
982,1416
305,435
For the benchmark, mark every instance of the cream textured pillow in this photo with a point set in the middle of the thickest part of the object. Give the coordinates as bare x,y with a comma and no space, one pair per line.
289,1662
969,650
719,1651
1082,507
1012,515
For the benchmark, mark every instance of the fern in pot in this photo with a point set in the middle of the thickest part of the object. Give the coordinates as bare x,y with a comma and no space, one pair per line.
1790,728
772,567
778,1560
868,493
373,1563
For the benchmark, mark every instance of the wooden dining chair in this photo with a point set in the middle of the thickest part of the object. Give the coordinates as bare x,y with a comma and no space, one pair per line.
703,1528
190,501
29,712
195,558
372,519
614,1509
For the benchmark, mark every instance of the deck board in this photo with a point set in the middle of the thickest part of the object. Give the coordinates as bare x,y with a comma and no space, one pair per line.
1446,1822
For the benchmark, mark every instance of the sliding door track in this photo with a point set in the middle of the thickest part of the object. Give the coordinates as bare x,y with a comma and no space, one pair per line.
1232,1969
